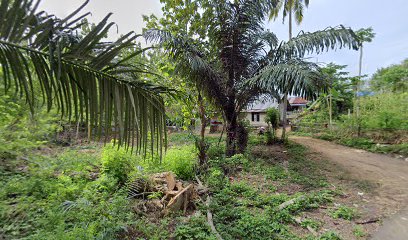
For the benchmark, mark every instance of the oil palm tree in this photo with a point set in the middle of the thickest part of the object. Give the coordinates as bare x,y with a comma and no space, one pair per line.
290,8
85,78
242,61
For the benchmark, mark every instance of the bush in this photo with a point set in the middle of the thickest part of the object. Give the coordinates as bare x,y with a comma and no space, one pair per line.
216,151
182,161
196,228
117,163
272,119
344,212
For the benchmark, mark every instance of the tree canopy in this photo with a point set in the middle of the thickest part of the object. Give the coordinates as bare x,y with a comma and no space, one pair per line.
222,45
391,79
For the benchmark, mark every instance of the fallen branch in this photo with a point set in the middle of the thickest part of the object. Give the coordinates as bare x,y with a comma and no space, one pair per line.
290,202
209,214
210,219
370,220
311,230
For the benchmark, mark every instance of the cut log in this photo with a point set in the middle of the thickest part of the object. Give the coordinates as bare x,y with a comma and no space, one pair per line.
178,201
171,181
179,186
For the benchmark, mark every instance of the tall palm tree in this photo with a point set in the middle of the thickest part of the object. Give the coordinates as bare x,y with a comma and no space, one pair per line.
238,50
363,35
289,7
85,78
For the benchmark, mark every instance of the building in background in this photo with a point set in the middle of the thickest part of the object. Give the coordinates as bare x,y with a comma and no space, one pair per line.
256,112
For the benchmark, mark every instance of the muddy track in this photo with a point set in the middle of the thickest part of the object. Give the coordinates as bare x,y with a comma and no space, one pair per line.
388,173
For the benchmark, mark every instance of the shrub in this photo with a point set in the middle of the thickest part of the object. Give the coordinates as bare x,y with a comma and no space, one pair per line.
216,178
216,151
272,119
344,212
117,163
182,161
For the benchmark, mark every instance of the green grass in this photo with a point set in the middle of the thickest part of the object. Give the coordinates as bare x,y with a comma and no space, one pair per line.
80,193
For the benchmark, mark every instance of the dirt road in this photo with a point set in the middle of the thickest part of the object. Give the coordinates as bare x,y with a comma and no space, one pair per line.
390,174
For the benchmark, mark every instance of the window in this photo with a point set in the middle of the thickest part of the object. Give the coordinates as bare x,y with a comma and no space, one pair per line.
255,117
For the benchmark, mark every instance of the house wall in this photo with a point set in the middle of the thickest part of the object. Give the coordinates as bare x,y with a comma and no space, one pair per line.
255,123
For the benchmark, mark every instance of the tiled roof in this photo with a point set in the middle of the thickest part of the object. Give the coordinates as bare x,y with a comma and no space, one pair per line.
297,101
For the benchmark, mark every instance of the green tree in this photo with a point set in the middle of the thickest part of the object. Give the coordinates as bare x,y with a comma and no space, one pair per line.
339,98
289,7
391,79
237,51
79,74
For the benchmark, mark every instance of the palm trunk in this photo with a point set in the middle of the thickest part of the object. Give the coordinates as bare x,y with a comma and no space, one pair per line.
201,145
285,97
360,65
330,111
284,117
232,126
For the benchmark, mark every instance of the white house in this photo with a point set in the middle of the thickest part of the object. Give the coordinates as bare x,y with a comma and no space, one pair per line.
256,112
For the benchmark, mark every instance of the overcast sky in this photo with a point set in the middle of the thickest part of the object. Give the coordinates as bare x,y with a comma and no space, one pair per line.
388,18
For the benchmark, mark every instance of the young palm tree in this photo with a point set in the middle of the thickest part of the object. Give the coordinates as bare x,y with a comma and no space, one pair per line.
241,61
289,7
85,78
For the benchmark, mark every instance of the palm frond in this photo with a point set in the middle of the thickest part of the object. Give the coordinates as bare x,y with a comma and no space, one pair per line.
295,77
191,63
79,74
318,42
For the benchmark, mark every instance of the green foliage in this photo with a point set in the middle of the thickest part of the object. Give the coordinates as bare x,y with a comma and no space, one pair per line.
311,223
230,164
302,170
182,161
344,212
78,74
117,163
216,151
358,231
329,235
365,35
208,62
362,143
395,148
383,119
272,119
383,111
196,228
391,79
62,197
216,178
20,132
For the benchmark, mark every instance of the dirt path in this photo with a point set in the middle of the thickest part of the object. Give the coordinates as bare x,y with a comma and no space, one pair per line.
390,174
